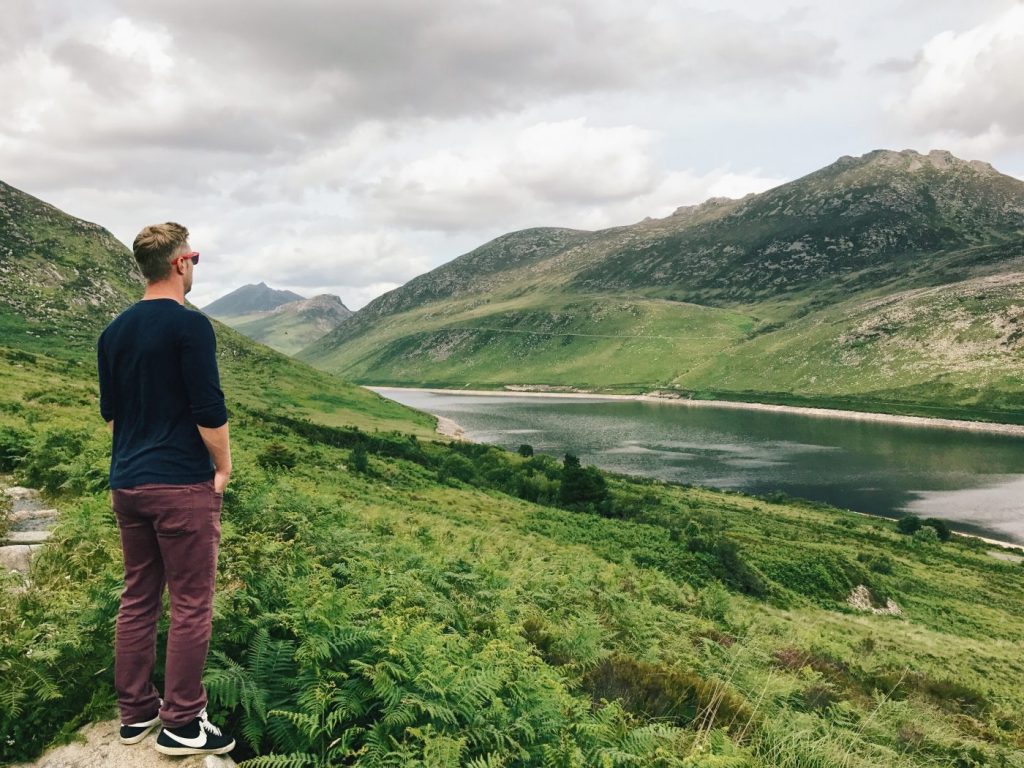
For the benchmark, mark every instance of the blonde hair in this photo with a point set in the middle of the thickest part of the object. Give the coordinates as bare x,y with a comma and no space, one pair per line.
154,246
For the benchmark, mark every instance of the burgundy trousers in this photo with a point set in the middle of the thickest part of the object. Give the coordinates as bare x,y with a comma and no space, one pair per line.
169,535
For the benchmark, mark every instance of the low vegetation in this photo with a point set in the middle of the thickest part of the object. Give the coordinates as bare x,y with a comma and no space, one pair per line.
386,598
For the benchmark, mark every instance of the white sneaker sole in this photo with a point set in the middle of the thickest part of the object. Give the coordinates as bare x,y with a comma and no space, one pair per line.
178,751
141,736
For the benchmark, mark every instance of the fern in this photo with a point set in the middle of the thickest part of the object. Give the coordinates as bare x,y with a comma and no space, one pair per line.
294,760
262,682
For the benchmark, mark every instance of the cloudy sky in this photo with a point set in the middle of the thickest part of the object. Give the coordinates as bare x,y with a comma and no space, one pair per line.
346,146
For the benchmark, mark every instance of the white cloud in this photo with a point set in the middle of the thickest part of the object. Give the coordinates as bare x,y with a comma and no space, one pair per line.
966,91
508,174
568,173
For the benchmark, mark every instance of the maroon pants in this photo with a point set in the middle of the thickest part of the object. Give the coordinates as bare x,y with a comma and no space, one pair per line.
169,535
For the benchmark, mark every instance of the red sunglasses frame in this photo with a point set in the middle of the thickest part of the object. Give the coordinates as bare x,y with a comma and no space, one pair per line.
194,255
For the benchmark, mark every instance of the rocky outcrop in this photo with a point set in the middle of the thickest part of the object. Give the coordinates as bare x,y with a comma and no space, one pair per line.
30,523
100,748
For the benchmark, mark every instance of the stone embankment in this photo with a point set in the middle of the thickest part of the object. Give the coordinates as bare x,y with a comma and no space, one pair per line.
30,522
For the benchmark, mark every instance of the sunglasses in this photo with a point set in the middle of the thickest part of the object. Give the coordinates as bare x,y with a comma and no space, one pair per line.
194,255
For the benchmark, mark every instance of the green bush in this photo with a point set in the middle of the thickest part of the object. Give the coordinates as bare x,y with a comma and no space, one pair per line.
14,446
908,524
678,696
945,533
277,456
456,467
582,487
926,535
5,515
877,562
726,563
66,461
358,461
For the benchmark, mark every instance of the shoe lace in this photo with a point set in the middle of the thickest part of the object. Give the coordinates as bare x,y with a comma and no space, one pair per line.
206,725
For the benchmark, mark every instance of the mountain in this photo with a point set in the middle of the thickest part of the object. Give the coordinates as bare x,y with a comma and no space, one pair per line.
63,279
295,325
889,281
391,599
249,299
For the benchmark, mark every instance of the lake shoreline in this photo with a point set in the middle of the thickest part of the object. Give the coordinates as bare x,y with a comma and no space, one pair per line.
450,428
1016,430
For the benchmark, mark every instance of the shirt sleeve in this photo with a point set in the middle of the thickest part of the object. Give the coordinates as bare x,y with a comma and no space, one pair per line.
199,371
106,383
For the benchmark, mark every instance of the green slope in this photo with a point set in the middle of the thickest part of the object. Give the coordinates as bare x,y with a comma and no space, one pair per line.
887,282
62,280
291,326
441,605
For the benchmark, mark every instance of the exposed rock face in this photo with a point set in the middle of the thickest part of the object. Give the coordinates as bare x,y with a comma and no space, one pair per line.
324,311
860,598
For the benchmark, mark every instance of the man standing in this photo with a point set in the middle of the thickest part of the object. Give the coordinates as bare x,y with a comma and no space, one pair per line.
160,395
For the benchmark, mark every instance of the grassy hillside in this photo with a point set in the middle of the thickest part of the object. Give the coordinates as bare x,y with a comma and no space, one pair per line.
387,599
888,282
291,326
446,605
62,280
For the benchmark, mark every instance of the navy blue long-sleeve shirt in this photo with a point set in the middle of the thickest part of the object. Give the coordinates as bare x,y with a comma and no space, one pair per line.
159,380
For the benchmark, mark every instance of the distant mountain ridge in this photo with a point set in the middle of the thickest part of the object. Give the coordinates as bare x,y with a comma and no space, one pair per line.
250,298
765,297
292,326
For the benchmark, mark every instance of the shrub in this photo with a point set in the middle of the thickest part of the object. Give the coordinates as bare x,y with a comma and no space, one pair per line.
526,451
941,527
877,562
456,467
727,564
358,461
925,535
674,695
277,456
14,445
581,486
5,512
908,524
65,461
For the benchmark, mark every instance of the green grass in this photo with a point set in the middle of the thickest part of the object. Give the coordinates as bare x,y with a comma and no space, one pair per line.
287,334
606,343
452,618
451,605
950,351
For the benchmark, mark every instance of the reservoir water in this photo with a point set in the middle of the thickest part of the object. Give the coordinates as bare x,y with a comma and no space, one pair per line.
975,480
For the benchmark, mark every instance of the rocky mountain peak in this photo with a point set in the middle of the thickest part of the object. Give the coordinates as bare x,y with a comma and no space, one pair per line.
250,298
321,303
912,160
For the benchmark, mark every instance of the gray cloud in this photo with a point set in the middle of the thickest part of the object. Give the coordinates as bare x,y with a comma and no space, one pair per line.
897,65
354,144
389,59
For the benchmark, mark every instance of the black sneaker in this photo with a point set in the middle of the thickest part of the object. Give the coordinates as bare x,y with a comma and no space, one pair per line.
136,732
199,737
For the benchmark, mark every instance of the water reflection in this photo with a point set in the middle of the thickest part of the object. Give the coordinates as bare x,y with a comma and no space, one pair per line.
973,479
